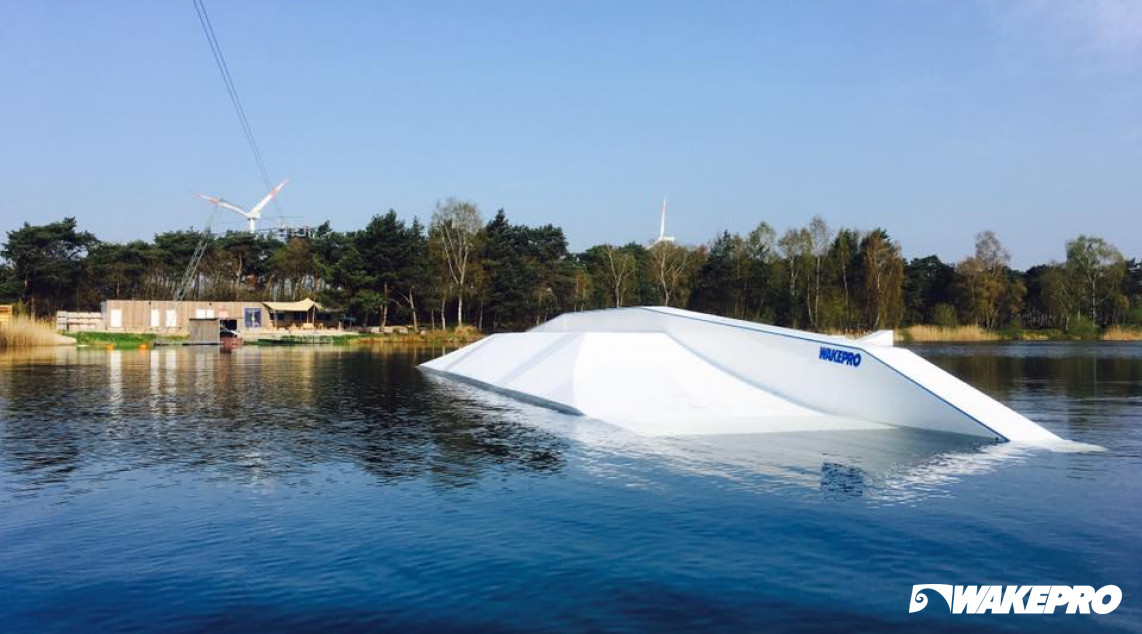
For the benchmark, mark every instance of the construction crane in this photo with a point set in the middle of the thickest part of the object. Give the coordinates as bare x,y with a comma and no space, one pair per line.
253,214
191,272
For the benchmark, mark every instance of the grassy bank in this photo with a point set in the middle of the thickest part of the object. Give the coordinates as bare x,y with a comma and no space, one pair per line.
304,340
23,332
114,339
456,336
431,338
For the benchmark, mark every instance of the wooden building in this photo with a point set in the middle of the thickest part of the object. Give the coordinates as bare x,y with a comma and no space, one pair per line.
171,317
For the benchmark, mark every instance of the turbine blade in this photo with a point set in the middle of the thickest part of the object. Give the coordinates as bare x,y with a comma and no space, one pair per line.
234,208
256,211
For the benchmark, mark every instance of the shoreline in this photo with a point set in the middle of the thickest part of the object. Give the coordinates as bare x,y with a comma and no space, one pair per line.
911,335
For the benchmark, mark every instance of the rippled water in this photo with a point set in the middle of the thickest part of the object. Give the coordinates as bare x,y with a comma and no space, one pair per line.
339,489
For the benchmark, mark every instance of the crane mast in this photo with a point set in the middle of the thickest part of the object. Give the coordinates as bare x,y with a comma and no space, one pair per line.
191,272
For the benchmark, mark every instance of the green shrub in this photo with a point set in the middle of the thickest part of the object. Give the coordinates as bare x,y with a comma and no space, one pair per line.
944,316
1134,317
1082,327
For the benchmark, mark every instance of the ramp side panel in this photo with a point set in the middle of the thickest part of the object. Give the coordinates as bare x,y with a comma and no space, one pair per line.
789,364
497,357
551,374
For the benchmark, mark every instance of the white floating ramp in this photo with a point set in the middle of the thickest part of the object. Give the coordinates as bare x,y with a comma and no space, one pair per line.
664,371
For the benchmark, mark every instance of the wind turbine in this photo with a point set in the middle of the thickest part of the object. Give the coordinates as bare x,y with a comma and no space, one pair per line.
254,214
662,237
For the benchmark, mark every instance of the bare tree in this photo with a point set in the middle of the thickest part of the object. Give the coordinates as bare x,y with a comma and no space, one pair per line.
669,262
820,239
454,234
620,269
797,249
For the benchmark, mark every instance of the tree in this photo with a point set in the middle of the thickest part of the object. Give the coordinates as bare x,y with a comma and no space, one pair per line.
527,272
716,287
1050,301
883,270
47,261
391,252
581,287
415,271
796,247
844,259
820,239
928,283
116,271
620,269
293,268
1096,269
669,264
985,280
173,251
731,277
454,237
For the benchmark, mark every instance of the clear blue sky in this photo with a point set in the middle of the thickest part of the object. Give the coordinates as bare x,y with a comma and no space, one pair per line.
935,119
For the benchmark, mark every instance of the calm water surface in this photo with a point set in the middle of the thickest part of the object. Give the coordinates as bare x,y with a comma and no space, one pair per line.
339,489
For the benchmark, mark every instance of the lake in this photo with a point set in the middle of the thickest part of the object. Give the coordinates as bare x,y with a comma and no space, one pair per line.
340,489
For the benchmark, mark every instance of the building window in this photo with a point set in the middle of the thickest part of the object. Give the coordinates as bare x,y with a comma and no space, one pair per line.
172,318
154,318
253,318
116,318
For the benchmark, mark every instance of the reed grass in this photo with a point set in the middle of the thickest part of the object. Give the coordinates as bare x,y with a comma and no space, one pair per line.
24,332
956,334
1122,333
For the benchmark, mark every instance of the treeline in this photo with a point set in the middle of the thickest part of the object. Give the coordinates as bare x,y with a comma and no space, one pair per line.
495,275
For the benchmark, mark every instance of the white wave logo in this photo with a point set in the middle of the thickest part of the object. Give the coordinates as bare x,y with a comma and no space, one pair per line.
1018,599
920,600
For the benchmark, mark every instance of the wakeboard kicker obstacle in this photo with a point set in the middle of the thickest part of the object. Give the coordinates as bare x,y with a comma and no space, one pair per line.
661,371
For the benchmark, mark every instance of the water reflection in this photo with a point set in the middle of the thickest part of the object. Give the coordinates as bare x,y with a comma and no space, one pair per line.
256,414
267,414
1089,390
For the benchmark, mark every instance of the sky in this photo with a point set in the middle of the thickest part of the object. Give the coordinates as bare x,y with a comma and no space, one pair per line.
933,119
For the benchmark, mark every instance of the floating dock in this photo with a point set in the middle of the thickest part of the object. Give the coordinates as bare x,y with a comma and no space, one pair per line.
664,371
